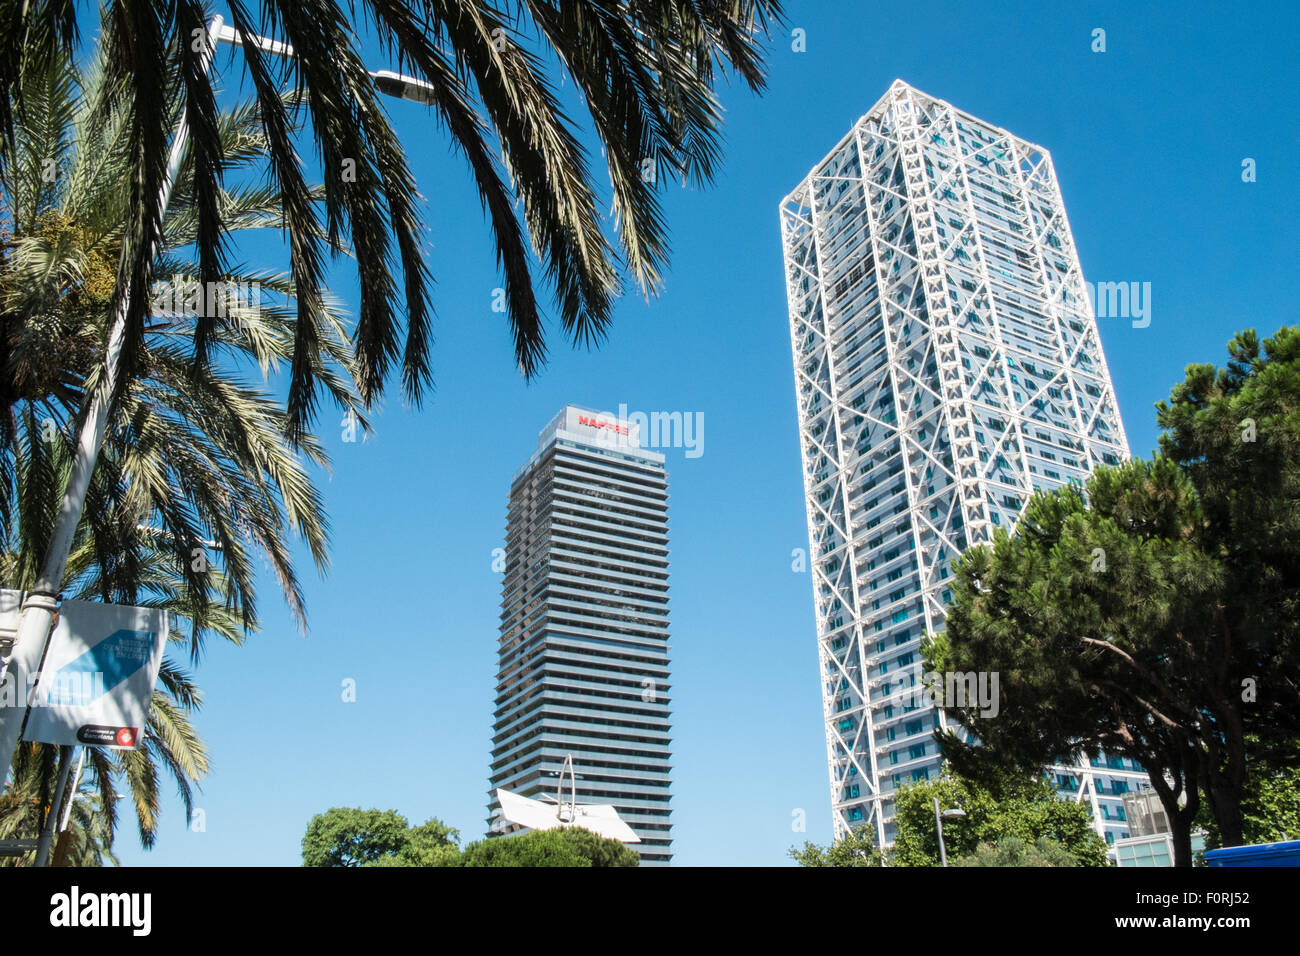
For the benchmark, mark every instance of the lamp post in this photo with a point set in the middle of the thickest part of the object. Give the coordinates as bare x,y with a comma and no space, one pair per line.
956,813
42,601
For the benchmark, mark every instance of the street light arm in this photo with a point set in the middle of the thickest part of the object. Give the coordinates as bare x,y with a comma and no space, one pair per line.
386,81
232,36
148,529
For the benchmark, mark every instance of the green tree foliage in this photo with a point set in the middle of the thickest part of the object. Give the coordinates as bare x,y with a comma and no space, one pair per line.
350,836
88,839
571,846
1154,615
194,484
1270,806
1013,851
1024,810
539,848
854,849
193,452
1235,432
432,843
1092,614
601,851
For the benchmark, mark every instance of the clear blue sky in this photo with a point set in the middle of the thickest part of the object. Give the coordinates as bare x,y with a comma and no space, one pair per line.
1148,140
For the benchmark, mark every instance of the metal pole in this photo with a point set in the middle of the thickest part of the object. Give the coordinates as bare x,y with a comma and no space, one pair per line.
38,610
47,829
76,782
938,822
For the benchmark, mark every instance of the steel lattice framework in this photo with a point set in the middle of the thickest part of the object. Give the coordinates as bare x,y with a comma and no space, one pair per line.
947,363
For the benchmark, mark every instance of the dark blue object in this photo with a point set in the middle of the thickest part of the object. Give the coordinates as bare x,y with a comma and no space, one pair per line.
1261,854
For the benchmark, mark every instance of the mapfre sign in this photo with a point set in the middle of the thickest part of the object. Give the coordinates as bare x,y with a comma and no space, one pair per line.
602,427
591,421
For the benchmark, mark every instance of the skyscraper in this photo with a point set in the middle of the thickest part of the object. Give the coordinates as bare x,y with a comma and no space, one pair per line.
947,364
583,655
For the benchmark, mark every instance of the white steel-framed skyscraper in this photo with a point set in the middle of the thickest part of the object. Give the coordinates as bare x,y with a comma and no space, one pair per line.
947,363
583,666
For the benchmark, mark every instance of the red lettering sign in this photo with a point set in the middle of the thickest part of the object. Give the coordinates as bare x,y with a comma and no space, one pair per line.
592,422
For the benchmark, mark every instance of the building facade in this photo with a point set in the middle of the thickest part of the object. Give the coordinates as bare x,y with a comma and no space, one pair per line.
947,363
583,664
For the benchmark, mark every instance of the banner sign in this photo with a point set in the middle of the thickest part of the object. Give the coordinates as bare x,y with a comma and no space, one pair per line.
97,682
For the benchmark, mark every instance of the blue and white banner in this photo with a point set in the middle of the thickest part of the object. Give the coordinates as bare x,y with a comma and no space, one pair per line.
99,673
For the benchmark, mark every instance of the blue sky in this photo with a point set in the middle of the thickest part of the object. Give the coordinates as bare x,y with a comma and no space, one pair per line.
1148,140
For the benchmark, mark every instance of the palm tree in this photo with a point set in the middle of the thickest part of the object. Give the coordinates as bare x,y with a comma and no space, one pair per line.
190,450
194,449
85,842
196,462
645,70
140,570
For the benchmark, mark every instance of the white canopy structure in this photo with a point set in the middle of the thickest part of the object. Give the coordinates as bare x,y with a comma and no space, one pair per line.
601,819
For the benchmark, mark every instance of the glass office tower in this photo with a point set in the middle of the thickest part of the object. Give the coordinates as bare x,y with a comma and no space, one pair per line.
583,655
947,364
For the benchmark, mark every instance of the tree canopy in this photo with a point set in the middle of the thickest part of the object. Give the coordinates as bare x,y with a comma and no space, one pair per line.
1018,819
569,846
854,849
350,836
432,843
1013,851
490,75
1090,613
1024,810
1152,614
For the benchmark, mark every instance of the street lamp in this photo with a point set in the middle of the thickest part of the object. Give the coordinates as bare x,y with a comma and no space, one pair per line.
956,813
386,81
404,87
42,601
